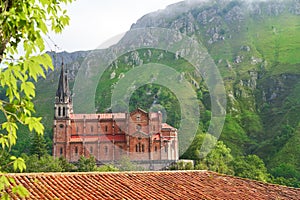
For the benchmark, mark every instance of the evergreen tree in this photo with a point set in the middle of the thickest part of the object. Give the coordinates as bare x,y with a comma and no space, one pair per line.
38,146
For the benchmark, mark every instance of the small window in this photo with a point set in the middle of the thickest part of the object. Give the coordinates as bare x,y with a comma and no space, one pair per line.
155,148
91,149
76,151
137,148
59,111
61,151
64,111
61,126
143,148
138,117
92,129
138,127
106,128
166,148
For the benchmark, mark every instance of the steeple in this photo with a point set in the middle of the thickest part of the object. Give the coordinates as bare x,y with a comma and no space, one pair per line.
63,94
63,99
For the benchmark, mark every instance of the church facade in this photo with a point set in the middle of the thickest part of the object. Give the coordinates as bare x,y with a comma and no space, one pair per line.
139,135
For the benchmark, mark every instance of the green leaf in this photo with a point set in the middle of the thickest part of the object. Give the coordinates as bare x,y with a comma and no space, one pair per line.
35,124
28,88
21,191
19,164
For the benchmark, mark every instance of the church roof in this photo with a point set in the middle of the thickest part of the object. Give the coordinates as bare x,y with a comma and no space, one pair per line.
148,185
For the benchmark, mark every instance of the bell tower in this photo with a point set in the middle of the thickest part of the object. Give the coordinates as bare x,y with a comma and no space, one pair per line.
63,109
63,100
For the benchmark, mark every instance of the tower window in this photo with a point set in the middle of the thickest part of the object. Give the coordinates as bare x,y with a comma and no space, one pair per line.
143,148
155,148
59,111
76,151
64,111
106,128
61,151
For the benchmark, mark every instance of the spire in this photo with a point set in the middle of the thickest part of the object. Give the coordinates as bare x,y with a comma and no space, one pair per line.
63,92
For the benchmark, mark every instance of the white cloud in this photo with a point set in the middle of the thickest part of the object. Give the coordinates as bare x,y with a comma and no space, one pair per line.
93,21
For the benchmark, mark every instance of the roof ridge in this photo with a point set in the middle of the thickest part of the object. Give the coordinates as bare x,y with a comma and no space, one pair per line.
96,172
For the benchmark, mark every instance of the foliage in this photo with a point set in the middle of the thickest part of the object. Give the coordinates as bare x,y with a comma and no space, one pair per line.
66,166
182,165
107,168
251,167
45,163
38,146
86,164
23,22
217,160
124,164
286,174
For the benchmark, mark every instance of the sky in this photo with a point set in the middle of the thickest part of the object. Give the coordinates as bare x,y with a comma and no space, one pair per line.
93,22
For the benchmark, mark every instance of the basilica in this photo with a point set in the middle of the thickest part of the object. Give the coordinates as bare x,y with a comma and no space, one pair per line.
139,135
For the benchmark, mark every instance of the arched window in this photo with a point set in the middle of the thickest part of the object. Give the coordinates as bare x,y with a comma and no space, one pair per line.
136,148
106,128
59,111
138,127
64,111
155,148
143,148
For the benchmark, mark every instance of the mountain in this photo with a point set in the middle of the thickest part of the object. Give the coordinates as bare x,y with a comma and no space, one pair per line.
256,47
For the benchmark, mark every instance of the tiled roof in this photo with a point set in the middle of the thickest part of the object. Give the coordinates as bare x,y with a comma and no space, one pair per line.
98,116
167,126
149,185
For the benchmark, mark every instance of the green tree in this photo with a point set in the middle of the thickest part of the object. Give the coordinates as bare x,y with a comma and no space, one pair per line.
217,160
38,146
66,166
23,25
45,163
86,164
251,167
125,164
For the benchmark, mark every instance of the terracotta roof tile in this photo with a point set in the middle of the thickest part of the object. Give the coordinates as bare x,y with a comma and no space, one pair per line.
148,185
